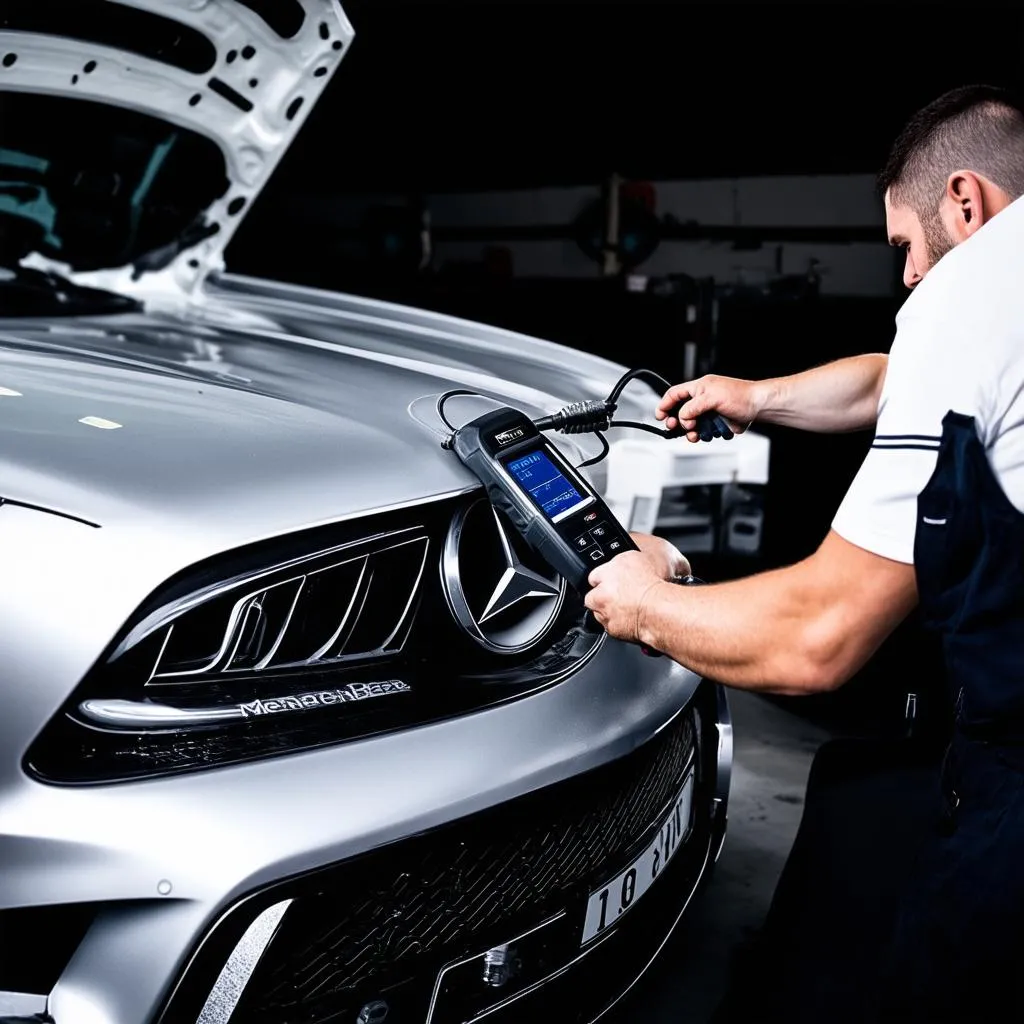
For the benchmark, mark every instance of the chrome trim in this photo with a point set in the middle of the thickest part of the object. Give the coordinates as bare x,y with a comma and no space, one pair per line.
723,775
232,632
361,593
265,660
239,967
321,651
160,653
148,715
175,609
221,663
452,585
22,1004
412,597
252,602
127,714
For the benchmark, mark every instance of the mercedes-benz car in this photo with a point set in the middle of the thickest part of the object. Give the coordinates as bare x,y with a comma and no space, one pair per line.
296,728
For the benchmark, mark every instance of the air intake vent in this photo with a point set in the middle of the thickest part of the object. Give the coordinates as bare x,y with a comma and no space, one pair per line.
348,604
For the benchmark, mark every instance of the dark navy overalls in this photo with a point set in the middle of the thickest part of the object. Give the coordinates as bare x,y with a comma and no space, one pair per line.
957,951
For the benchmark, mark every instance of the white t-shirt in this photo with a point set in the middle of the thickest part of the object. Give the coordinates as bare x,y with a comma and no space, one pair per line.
959,345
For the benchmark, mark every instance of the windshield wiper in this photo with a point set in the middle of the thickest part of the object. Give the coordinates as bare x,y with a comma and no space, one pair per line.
25,291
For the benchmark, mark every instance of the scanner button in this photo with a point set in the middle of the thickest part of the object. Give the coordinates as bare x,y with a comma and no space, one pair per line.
614,546
582,542
596,554
599,532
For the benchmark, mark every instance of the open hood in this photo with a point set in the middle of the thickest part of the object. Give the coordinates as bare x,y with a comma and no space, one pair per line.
137,133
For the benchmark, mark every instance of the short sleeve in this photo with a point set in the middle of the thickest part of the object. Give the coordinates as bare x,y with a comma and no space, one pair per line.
927,376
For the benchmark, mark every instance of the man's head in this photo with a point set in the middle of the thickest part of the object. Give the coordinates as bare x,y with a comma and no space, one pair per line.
956,164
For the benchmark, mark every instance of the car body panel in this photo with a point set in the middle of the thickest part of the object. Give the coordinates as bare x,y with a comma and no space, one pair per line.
206,414
445,340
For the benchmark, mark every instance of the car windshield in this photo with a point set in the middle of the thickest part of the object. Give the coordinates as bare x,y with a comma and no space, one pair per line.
96,186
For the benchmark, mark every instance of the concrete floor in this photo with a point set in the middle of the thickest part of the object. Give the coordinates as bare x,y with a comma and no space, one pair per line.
773,755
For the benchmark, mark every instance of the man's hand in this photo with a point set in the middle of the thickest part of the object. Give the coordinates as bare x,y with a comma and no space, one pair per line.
668,561
738,401
619,590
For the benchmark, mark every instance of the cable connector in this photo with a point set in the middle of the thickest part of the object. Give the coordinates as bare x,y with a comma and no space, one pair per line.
579,418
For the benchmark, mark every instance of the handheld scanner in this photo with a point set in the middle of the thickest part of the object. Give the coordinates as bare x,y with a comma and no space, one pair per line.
558,514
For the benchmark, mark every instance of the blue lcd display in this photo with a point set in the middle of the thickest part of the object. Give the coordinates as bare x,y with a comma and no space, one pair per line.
546,484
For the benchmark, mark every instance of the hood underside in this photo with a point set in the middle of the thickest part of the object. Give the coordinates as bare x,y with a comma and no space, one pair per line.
142,91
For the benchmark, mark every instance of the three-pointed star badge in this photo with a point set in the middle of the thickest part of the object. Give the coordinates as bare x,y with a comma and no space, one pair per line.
516,583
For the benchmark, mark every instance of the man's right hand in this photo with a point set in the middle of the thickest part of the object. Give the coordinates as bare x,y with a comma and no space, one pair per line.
739,402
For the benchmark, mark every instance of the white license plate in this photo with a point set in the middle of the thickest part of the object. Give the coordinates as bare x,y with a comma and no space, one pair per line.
622,892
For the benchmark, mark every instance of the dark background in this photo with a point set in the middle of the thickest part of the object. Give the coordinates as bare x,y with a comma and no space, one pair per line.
456,97
446,96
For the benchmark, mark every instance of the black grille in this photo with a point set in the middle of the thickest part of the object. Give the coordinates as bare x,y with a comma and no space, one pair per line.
374,924
352,603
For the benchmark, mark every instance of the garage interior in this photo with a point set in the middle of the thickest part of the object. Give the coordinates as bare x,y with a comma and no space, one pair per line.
688,188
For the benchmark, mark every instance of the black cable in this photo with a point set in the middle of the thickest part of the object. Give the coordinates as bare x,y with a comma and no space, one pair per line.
656,381
677,432
595,417
442,399
603,454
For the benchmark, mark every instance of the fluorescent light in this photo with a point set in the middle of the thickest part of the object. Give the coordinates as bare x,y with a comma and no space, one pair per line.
99,421
9,393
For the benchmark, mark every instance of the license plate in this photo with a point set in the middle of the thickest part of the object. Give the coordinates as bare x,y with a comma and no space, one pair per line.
619,894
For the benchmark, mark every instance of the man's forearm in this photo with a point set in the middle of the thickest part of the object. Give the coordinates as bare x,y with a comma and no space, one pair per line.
804,628
750,633
838,397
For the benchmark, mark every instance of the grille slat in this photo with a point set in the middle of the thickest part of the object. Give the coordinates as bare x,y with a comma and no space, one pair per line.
350,609
379,920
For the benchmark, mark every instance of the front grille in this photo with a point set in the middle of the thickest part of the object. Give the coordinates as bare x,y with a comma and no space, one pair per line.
351,603
274,648
391,919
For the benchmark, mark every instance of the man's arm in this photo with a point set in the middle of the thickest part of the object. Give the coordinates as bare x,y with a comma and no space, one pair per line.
838,397
805,628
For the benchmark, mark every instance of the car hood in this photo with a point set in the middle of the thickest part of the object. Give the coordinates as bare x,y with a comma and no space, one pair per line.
245,75
390,328
232,432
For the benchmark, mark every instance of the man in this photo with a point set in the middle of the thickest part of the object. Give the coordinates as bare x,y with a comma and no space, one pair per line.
933,517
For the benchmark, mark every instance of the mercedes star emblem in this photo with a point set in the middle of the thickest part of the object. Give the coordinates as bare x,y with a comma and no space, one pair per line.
500,592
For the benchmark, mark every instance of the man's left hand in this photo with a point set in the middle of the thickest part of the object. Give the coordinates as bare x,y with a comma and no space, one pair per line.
620,588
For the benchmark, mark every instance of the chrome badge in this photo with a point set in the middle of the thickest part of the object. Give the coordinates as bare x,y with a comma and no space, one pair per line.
150,714
500,592
322,698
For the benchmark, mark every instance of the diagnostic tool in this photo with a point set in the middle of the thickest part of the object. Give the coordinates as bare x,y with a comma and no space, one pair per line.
546,500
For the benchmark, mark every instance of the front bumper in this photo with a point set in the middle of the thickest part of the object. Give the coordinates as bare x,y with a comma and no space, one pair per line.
407,928
175,865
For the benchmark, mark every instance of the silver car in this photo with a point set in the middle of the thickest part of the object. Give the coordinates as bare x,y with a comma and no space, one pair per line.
294,727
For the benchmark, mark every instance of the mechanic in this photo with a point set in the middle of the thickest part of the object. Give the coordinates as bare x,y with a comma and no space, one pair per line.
933,518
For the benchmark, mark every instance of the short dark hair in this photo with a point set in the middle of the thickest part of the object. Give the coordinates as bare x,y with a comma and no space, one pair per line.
975,127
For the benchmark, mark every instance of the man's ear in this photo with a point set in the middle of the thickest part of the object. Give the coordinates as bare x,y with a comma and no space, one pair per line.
964,204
